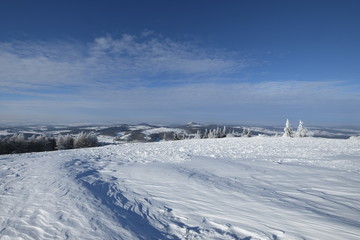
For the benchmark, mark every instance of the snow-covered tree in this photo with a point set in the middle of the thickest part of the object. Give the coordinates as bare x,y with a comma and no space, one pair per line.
288,132
64,142
301,131
230,135
18,138
206,134
246,132
223,133
16,143
216,133
40,143
197,135
46,143
83,140
36,144
212,133
179,136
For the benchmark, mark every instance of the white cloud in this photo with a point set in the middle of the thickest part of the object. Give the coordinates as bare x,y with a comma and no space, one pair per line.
151,78
35,65
129,60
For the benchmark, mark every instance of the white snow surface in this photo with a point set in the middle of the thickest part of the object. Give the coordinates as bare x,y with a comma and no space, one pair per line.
162,130
235,188
102,139
4,132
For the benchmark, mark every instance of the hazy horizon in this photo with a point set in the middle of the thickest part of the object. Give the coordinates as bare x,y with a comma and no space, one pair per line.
293,124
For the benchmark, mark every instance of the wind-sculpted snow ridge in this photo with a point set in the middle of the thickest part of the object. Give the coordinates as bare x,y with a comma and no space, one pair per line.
238,188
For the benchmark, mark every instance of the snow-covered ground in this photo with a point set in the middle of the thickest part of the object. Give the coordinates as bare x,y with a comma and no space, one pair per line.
231,188
4,132
162,130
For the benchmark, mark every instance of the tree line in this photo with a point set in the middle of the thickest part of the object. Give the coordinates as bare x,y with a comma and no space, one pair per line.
18,143
213,133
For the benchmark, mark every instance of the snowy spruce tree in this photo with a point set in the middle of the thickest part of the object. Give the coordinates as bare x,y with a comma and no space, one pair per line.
206,134
197,135
223,133
230,134
211,133
301,131
246,132
288,132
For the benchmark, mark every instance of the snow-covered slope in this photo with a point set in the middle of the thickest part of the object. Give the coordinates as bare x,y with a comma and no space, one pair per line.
237,188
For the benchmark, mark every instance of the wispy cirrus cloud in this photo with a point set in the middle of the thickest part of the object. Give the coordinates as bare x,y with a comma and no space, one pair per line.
119,62
159,56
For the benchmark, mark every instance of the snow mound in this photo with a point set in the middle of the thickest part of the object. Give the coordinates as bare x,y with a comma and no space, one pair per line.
236,188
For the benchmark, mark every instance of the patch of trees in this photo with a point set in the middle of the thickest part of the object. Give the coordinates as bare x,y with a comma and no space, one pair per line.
300,132
215,133
17,143
212,133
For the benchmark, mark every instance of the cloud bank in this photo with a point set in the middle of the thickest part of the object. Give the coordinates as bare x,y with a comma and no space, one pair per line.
156,79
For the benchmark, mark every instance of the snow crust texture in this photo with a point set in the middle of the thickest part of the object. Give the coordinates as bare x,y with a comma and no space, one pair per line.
237,188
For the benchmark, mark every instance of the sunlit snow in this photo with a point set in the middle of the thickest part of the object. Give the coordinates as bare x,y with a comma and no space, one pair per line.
232,188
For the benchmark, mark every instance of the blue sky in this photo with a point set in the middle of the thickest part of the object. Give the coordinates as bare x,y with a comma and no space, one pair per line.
245,62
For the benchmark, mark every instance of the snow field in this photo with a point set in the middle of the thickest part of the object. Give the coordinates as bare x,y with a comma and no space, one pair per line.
163,130
232,188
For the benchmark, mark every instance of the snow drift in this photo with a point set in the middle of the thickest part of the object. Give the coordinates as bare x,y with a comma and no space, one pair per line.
237,188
